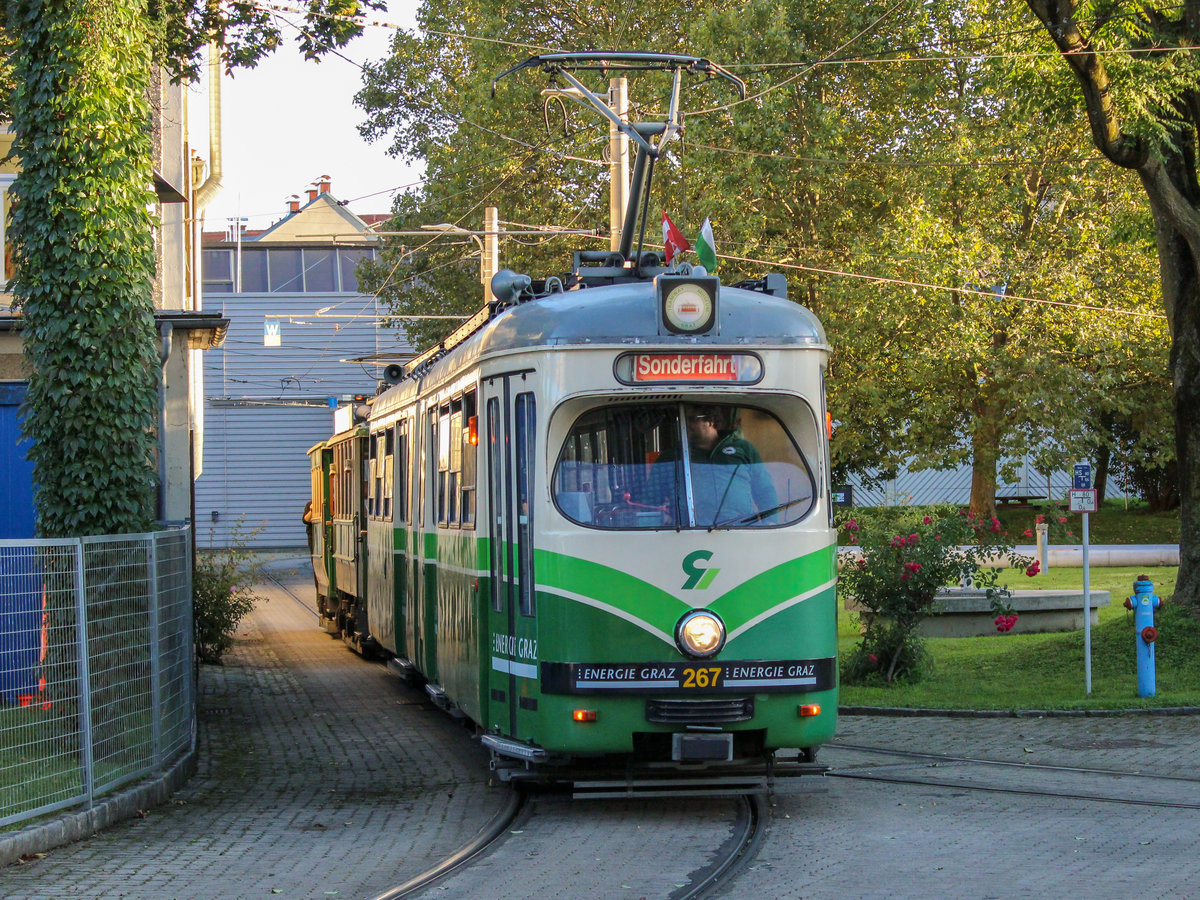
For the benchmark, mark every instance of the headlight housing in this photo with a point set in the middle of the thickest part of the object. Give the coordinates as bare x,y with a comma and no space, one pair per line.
700,634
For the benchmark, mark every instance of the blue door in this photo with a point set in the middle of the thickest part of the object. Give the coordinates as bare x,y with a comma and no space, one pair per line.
16,472
20,575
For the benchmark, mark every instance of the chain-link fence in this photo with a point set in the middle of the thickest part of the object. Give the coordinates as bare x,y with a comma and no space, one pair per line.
97,684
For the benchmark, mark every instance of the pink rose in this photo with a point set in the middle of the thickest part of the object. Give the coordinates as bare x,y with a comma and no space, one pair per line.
927,521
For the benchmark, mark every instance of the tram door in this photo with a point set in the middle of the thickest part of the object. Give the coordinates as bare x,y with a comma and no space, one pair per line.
511,419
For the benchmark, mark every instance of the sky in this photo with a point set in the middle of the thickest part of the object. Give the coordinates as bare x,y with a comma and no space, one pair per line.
288,121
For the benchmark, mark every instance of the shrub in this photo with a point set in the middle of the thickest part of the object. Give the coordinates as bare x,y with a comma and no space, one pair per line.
905,559
223,593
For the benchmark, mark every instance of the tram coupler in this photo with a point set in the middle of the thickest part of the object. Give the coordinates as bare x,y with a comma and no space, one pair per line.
1144,603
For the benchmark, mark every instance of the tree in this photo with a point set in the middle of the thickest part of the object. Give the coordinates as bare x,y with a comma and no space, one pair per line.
991,197
1141,91
79,74
432,99
947,170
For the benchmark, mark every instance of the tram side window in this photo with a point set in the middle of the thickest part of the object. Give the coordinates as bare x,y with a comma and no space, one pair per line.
400,491
374,476
389,466
443,465
470,448
344,460
457,444
682,465
496,501
454,475
435,468
526,422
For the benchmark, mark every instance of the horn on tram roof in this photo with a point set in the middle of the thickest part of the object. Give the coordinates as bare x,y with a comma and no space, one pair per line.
507,285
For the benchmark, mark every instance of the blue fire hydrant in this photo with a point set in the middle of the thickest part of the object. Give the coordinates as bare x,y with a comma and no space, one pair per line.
1144,603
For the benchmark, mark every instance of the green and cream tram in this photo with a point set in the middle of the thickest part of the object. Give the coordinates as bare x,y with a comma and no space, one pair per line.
601,535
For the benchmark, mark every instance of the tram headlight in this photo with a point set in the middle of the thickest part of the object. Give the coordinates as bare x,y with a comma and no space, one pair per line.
700,634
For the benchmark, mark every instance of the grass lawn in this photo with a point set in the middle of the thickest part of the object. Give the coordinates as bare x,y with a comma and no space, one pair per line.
1046,671
1113,524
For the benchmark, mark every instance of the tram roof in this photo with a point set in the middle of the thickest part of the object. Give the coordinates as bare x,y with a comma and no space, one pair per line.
625,313
619,314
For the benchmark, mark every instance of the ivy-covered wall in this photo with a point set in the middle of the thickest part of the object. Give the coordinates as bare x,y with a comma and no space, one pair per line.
84,256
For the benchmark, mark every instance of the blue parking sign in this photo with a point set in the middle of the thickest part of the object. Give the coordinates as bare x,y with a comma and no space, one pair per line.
1083,476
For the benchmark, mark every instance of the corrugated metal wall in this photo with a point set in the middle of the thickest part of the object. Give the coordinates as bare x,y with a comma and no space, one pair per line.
954,486
265,406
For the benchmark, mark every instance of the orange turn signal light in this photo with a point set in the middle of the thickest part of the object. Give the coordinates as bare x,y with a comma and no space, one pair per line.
810,709
584,715
473,431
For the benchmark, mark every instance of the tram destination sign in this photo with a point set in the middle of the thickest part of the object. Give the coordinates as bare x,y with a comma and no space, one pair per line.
700,676
675,367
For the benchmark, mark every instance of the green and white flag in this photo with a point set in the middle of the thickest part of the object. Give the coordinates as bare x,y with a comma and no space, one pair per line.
706,247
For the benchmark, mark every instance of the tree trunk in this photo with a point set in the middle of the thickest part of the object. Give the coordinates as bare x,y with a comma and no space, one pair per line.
985,453
1181,298
1103,456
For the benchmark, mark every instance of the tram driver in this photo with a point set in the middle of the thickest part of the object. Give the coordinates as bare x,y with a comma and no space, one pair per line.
730,483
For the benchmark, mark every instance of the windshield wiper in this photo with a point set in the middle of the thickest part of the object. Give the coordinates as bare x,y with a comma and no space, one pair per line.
759,516
728,485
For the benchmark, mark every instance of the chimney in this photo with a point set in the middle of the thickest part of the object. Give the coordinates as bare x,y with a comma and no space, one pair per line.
323,184
312,193
294,203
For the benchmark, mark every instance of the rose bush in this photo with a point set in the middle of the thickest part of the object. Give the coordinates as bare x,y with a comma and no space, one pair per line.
899,562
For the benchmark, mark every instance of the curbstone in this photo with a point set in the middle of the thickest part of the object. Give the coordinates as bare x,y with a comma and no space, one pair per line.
74,826
913,712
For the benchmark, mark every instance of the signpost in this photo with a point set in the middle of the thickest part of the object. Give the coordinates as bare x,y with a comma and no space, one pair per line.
1083,499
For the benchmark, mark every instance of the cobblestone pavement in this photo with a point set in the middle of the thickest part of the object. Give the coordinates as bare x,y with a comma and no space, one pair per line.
321,776
866,838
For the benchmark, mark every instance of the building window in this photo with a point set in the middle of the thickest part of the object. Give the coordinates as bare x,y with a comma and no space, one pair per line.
254,271
319,272
286,273
348,260
286,270
5,208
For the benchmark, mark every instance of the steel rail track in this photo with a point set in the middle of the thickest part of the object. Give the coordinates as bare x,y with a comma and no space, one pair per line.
304,604
753,818
488,835
994,789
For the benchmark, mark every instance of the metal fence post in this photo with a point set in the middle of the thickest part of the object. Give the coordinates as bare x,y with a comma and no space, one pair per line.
85,680
189,555
155,662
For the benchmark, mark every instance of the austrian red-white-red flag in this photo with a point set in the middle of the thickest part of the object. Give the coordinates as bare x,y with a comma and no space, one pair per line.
674,242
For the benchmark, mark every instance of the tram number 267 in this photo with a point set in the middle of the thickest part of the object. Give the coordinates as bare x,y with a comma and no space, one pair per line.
697,677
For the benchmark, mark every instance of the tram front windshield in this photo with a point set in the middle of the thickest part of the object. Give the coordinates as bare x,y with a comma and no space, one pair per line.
682,465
